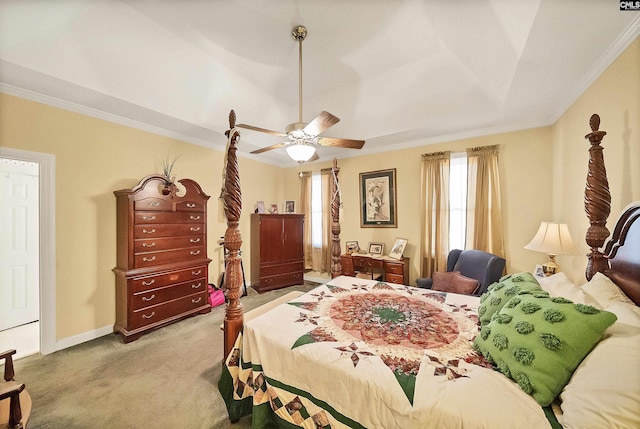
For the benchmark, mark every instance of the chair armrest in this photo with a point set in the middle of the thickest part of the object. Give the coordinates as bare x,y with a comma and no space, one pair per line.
8,364
10,389
424,283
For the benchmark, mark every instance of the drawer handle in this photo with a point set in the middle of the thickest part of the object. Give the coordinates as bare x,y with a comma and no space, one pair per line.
195,252
145,259
191,205
150,283
149,231
194,228
196,273
148,244
144,298
194,240
148,217
194,217
144,316
196,286
195,301
154,204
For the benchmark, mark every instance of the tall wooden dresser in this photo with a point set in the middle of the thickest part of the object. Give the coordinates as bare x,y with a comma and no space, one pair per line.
161,273
277,252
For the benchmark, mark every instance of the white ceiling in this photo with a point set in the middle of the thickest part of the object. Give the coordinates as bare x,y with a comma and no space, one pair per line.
398,73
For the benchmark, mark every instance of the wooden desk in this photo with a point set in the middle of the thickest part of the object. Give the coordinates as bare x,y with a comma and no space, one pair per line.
395,271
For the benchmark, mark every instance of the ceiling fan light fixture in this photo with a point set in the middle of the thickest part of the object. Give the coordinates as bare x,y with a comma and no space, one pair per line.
300,151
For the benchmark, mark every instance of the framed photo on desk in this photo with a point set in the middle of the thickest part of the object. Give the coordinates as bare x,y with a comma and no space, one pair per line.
398,248
376,248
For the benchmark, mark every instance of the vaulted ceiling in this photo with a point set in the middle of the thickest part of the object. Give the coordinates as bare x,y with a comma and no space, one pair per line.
398,73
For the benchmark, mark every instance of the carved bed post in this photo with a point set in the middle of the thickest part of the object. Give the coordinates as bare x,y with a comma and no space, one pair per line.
233,315
336,267
597,200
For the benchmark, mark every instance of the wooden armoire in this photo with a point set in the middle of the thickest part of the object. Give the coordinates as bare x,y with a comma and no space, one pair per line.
162,263
277,252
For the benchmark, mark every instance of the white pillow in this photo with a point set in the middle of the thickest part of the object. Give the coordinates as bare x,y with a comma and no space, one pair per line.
604,391
604,292
560,285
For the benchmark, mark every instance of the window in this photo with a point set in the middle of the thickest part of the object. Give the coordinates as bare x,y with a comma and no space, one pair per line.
457,200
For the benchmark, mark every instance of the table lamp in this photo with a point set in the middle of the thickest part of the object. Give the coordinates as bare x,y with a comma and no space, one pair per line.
552,238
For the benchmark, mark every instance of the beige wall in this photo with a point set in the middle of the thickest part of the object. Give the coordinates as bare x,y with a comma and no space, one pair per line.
525,174
93,159
615,96
542,173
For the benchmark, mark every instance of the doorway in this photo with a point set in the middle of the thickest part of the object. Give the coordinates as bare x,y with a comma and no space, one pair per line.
43,221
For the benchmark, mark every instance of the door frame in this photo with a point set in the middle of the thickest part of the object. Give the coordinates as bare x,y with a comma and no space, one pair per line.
47,221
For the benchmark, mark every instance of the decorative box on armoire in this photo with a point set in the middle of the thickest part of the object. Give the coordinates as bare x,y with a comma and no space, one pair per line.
277,252
161,275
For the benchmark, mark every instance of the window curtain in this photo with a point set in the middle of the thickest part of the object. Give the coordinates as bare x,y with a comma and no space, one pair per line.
305,208
435,212
326,179
484,208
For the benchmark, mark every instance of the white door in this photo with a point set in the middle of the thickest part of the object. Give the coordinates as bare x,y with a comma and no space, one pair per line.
19,243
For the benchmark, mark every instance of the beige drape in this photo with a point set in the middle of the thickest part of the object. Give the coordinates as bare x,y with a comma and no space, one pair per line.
484,208
316,259
305,208
434,212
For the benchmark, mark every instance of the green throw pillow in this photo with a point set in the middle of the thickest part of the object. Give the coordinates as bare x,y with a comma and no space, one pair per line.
539,341
499,293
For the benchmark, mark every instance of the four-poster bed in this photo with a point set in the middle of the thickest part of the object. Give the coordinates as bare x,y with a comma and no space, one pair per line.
362,353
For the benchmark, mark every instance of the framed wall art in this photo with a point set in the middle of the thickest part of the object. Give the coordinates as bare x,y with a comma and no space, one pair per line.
378,199
352,247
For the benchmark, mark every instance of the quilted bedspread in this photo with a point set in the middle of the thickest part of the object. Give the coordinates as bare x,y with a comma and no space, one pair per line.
364,354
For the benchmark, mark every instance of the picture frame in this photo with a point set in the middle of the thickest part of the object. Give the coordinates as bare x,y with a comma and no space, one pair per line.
351,247
289,206
378,206
539,272
273,209
398,248
260,209
376,248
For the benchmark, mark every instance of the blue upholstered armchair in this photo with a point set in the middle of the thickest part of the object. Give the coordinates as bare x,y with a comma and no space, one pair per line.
485,267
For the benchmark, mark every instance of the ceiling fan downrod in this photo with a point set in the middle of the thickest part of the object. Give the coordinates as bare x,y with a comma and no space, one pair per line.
299,33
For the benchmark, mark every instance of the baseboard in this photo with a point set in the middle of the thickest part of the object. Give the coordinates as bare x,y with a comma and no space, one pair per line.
83,338
321,280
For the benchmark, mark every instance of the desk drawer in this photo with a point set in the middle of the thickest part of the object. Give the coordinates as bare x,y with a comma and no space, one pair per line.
393,267
394,278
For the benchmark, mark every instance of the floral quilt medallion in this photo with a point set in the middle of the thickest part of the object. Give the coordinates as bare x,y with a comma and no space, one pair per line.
409,330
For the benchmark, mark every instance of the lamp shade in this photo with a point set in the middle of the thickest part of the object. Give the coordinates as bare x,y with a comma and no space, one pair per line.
553,238
300,151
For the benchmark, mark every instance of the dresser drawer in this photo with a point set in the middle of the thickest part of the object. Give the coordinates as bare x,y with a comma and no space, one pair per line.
141,217
155,244
161,312
273,282
167,293
152,204
150,259
272,270
190,206
165,230
140,284
392,267
394,278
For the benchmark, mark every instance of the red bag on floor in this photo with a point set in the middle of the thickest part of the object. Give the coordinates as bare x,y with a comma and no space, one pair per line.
216,296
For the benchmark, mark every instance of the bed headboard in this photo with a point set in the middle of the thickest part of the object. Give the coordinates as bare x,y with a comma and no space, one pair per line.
619,258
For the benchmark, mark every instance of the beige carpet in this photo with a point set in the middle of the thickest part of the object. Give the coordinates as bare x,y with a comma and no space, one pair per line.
166,379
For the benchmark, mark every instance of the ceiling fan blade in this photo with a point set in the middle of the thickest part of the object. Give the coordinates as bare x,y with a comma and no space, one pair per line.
337,142
315,157
321,123
273,146
262,130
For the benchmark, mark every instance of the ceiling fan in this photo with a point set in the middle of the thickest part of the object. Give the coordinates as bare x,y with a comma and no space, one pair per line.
302,138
